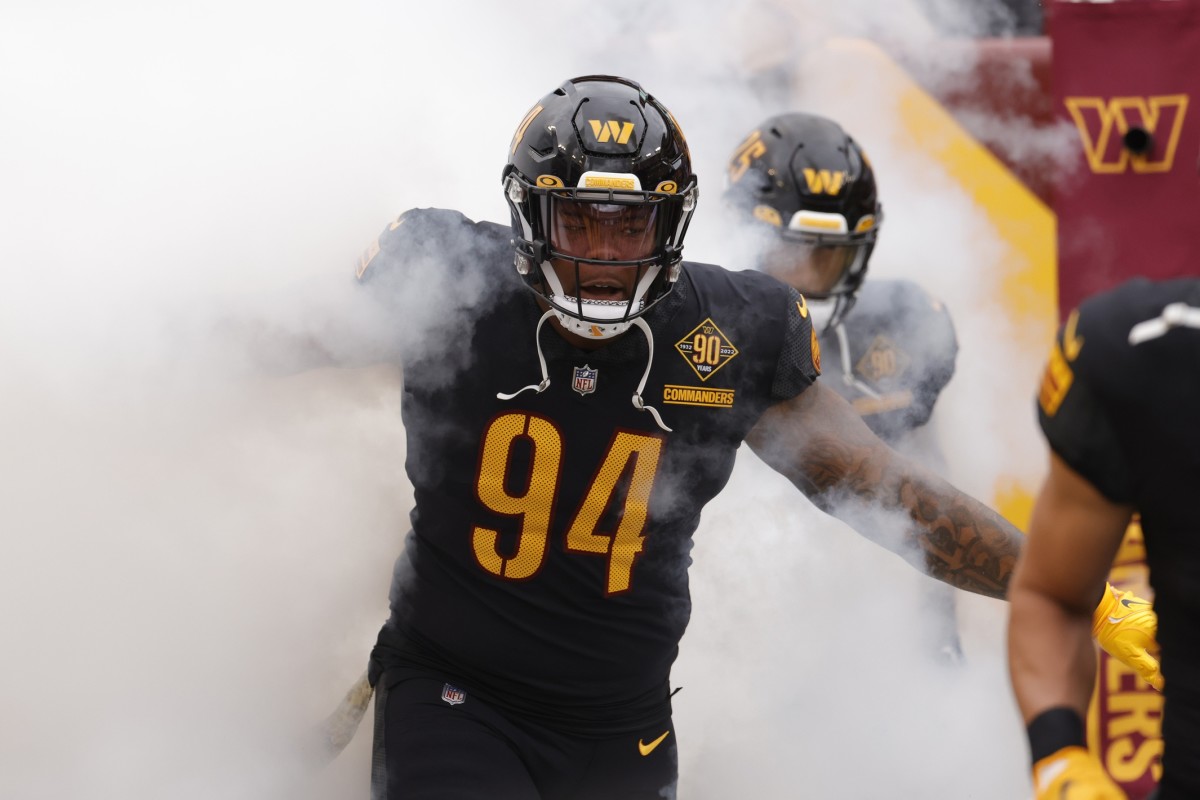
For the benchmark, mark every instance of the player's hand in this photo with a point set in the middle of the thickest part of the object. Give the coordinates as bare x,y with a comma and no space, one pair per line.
1073,774
335,732
1125,625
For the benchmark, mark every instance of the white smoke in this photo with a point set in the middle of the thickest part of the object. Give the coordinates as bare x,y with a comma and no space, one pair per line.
195,562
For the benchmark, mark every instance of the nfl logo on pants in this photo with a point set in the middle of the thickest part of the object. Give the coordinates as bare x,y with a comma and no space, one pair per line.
453,695
583,379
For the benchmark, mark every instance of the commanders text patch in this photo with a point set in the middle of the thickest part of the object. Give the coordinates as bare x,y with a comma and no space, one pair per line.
706,349
697,396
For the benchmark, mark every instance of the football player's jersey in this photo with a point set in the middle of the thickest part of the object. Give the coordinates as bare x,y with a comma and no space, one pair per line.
1127,418
546,570
891,356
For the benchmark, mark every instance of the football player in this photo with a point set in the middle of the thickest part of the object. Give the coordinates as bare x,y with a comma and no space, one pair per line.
805,191
1118,406
581,396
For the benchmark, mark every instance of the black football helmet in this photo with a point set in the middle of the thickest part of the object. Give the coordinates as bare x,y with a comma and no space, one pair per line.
599,147
802,178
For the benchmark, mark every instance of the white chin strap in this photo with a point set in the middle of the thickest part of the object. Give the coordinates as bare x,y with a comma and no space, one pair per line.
567,308
596,310
545,382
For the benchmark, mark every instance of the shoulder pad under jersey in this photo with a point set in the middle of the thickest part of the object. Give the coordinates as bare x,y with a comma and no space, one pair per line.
1106,372
901,340
423,235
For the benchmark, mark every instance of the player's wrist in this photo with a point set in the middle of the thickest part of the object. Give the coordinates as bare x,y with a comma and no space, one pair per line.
1052,730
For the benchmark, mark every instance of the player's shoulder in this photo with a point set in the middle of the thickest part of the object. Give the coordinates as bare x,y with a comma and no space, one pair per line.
1133,301
1101,329
753,299
756,313
421,236
1113,377
905,313
900,303
735,286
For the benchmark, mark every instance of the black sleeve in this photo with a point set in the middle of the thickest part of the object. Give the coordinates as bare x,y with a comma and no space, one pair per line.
800,357
937,347
1073,413
411,249
418,275
900,348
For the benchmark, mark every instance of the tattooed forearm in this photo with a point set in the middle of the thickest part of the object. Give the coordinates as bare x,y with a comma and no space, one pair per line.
965,543
823,447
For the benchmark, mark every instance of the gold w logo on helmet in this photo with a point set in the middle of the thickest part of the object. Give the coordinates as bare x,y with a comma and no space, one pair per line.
823,181
611,129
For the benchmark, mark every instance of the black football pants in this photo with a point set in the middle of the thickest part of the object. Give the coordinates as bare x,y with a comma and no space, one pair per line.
434,743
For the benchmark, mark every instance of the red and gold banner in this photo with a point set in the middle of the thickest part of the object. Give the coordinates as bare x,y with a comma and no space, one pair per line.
1126,77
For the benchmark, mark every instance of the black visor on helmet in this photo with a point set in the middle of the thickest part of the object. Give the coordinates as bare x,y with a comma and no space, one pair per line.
615,232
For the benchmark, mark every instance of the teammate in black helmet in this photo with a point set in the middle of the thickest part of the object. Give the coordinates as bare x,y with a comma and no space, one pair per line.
805,189
809,186
560,460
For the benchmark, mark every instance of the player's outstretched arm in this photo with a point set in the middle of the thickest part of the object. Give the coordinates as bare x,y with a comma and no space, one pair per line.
818,442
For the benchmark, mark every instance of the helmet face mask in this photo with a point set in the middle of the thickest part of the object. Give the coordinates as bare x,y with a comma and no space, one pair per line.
808,187
600,189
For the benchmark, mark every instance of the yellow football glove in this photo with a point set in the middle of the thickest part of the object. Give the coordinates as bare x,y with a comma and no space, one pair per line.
1125,625
1073,774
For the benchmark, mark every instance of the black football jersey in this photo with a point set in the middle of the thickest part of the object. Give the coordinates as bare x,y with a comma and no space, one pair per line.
547,565
1127,417
891,356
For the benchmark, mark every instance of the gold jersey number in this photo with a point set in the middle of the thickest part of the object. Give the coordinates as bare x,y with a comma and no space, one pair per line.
534,507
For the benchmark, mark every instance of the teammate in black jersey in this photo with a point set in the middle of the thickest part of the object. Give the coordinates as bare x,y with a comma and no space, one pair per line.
1119,406
581,396
806,194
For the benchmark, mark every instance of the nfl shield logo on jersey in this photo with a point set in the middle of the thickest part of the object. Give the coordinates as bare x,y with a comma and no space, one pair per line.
453,695
583,379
